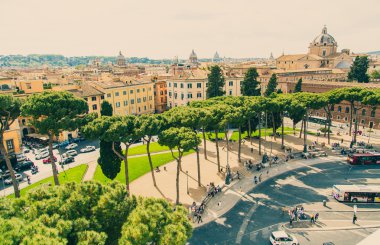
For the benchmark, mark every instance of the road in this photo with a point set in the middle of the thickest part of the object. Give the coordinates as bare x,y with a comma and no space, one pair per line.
251,222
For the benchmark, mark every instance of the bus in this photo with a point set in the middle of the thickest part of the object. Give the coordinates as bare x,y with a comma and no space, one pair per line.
318,120
357,193
364,158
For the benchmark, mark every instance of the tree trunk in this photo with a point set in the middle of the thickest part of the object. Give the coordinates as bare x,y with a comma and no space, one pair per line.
126,170
305,132
217,148
52,161
9,166
351,114
356,127
301,131
239,148
198,164
282,132
250,131
150,161
294,129
177,178
274,127
266,125
204,143
260,134
325,128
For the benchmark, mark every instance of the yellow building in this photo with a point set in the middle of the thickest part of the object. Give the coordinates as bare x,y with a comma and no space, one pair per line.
12,138
90,94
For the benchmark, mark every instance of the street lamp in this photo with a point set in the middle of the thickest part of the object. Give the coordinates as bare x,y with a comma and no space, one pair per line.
187,183
228,171
318,133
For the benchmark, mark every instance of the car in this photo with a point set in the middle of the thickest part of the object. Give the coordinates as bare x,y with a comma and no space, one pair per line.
87,149
47,160
5,174
20,157
72,153
75,140
26,165
42,155
55,145
9,181
67,160
25,149
71,146
282,238
64,143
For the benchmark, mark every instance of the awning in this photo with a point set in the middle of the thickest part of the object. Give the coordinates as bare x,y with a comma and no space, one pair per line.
38,136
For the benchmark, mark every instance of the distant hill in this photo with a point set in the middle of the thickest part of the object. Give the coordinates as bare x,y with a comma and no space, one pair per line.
374,52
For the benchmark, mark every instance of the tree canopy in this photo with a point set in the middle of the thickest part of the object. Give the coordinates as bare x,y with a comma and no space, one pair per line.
358,71
250,85
215,82
298,87
272,85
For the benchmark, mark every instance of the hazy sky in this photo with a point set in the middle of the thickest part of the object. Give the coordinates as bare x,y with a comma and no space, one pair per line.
165,28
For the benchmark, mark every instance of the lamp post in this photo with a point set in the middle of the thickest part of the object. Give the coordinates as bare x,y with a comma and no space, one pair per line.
187,182
228,171
318,133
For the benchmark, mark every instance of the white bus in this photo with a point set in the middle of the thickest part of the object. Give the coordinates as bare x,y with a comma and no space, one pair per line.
357,193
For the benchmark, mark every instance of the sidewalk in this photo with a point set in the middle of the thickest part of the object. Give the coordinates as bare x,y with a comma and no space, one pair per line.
238,190
331,225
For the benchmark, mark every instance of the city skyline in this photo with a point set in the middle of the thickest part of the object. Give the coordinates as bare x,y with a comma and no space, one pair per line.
166,29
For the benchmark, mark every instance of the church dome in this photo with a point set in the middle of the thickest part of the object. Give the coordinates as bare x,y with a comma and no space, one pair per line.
324,38
343,65
193,55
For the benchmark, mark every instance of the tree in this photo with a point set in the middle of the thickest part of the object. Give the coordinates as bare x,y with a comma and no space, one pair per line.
108,161
272,85
89,213
358,71
249,86
298,87
215,82
150,125
375,74
180,139
9,112
123,129
333,97
52,113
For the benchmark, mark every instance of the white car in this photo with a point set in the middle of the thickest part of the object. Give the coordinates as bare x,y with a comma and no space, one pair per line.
20,157
72,153
87,149
9,181
282,238
71,146
42,155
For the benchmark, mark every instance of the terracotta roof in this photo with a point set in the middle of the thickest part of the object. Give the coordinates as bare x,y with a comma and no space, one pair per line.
86,91
109,84
291,57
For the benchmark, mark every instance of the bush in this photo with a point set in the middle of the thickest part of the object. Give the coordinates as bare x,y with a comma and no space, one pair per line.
323,130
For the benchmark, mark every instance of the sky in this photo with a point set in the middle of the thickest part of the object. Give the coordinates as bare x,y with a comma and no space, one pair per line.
167,28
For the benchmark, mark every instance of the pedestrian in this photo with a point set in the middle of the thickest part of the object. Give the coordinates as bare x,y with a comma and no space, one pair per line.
354,219
260,177
255,179
316,217
290,221
238,174
200,218
312,218
251,150
341,141
219,203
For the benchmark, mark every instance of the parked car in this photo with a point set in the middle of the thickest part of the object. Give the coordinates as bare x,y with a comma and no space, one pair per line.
71,146
20,157
42,150
55,145
64,143
47,160
42,155
283,238
67,160
87,149
5,174
26,165
25,150
75,140
72,153
9,181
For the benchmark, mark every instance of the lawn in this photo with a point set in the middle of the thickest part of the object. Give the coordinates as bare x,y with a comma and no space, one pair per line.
141,149
138,166
235,135
72,175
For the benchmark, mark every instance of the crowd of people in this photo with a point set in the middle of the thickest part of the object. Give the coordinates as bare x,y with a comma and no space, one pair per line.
197,211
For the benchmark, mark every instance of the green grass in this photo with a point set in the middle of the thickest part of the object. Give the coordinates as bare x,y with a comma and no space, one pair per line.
72,175
138,166
235,135
141,149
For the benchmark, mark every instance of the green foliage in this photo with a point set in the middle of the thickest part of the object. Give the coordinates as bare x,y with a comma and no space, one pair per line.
375,74
182,139
323,130
298,87
85,213
215,82
359,69
108,161
250,85
272,85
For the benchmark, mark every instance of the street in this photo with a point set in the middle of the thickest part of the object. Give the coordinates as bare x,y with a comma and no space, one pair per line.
253,219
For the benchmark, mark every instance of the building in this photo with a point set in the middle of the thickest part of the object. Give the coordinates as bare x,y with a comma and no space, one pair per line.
120,60
90,94
216,58
160,95
193,59
322,54
12,138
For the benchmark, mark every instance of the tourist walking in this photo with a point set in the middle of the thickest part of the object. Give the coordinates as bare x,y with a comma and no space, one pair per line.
354,219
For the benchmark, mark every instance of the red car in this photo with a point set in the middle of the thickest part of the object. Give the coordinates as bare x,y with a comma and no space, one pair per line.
47,160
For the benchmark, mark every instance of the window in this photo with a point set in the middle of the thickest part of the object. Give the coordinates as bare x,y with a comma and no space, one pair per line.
373,112
189,85
138,90
175,95
132,101
355,111
181,85
363,121
161,92
93,98
170,94
144,107
86,99
170,84
175,85
131,91
143,89
324,53
339,109
347,109
139,109
338,117
199,85
138,100
108,95
144,99
182,96
230,83
116,93
125,102
364,112
189,95
150,97
10,145
230,92
102,97
94,107
345,119
117,104
199,95
332,108
124,92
